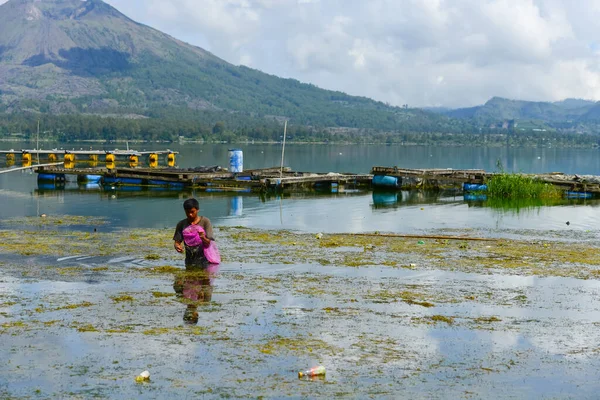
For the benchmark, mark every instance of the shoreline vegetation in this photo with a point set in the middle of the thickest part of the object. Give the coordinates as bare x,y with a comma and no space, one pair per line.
207,128
500,140
518,186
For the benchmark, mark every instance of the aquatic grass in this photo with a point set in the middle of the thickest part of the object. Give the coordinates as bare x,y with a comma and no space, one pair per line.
123,298
442,318
62,220
162,294
84,304
519,186
297,345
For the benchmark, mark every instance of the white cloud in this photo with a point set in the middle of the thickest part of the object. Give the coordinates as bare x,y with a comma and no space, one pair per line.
419,52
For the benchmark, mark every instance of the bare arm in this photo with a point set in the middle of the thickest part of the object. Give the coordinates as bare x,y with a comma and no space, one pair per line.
178,239
178,246
207,226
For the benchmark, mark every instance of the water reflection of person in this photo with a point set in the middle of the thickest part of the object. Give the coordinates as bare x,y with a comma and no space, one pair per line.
195,287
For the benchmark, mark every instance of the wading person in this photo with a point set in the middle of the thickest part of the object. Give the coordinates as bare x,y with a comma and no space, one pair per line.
193,235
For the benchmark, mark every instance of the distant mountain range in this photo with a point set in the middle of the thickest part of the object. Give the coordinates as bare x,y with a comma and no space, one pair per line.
499,109
73,56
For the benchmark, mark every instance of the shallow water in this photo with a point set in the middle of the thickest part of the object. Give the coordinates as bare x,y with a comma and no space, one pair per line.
82,325
264,323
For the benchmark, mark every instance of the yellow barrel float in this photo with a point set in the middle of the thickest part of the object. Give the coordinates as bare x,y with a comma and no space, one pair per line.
171,158
26,158
52,157
93,157
10,163
110,158
111,165
10,157
153,160
69,164
26,162
133,160
69,158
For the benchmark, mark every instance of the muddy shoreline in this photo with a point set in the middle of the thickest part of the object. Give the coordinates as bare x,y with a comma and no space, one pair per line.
84,310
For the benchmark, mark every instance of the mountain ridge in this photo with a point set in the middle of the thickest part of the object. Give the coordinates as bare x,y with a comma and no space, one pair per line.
82,58
69,56
499,109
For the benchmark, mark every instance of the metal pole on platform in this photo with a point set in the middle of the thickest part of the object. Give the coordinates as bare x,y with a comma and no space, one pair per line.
283,149
4,171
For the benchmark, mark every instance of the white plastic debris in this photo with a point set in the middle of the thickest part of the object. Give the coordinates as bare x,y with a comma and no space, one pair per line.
143,377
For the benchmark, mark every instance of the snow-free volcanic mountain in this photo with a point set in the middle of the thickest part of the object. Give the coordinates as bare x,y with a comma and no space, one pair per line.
73,56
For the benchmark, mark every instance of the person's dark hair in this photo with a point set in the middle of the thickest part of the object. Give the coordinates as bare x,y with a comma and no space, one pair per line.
191,203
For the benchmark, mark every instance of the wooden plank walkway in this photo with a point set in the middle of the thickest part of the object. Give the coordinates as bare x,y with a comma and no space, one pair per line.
441,178
266,179
448,174
312,179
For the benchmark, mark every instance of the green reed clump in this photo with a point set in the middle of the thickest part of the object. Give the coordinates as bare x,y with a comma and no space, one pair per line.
518,186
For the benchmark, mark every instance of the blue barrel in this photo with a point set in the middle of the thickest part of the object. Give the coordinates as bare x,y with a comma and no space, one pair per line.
386,181
51,178
110,180
579,195
474,187
158,182
236,160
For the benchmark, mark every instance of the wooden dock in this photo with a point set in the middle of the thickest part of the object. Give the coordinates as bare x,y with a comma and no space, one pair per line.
215,179
475,176
277,180
454,178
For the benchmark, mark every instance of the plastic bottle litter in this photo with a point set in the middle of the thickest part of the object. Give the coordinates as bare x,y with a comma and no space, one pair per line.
143,377
320,370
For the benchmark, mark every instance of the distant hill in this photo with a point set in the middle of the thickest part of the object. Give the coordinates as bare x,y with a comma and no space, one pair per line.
500,109
574,103
85,57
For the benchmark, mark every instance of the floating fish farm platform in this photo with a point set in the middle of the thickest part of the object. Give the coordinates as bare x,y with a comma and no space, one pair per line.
475,179
210,179
70,156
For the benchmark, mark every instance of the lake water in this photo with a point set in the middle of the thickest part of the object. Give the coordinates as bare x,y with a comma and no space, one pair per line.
344,212
84,317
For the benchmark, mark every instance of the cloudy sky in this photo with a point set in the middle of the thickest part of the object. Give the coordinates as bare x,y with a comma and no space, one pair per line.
416,52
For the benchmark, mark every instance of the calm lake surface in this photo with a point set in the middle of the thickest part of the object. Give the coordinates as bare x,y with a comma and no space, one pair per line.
344,212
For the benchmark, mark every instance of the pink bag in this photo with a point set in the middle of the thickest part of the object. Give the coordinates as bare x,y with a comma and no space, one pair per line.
191,237
212,253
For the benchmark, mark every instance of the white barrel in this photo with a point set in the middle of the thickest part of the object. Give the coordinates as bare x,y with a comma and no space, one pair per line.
236,160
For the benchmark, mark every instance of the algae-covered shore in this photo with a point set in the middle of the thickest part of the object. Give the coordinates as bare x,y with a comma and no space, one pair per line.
84,309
